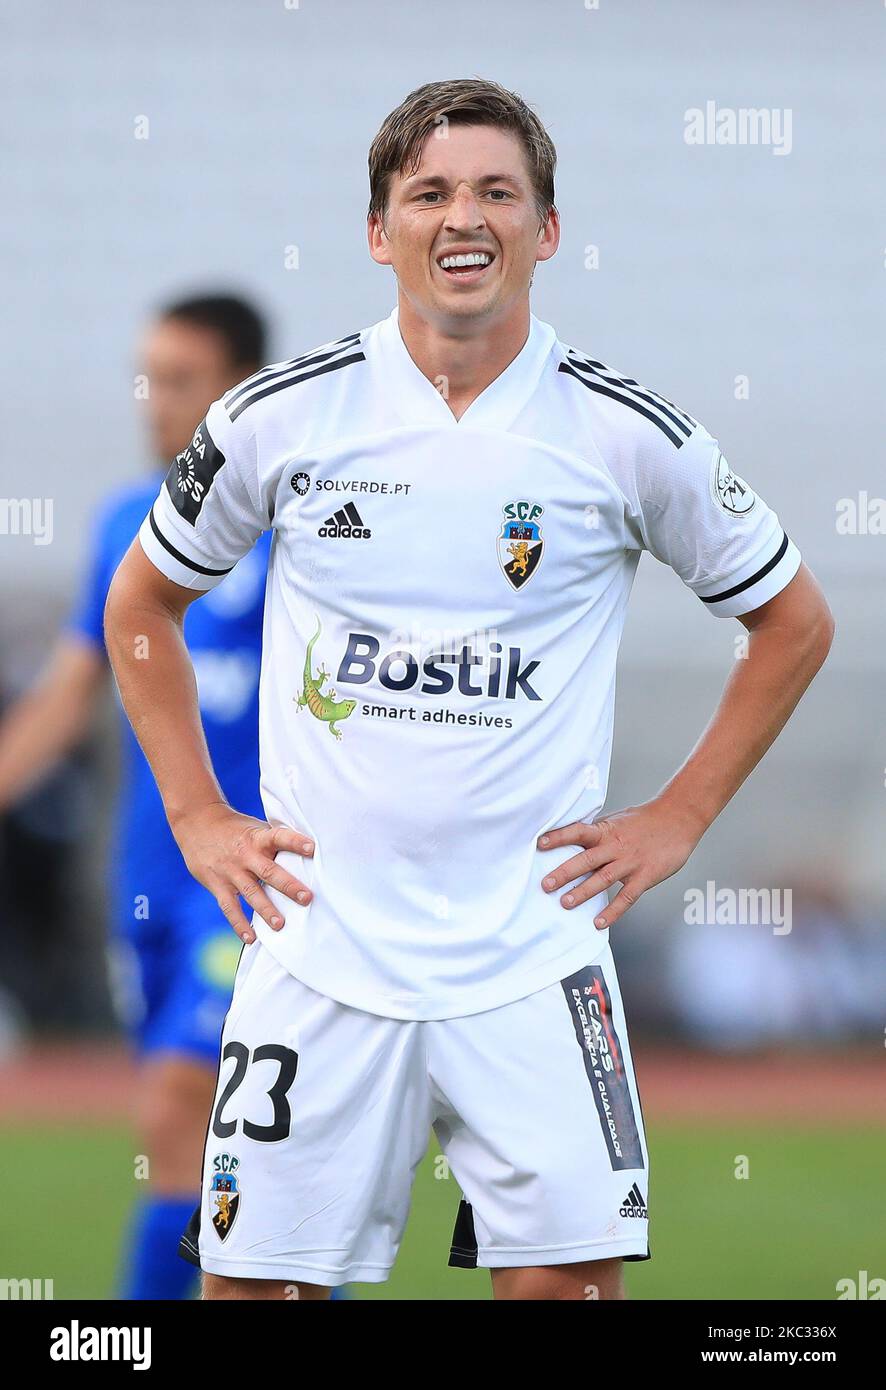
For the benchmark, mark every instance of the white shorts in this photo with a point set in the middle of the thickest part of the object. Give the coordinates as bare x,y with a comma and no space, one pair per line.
323,1113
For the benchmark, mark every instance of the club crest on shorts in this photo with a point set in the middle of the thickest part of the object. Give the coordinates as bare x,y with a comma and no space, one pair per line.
224,1194
520,544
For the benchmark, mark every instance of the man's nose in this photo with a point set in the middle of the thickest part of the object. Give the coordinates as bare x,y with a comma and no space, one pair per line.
464,211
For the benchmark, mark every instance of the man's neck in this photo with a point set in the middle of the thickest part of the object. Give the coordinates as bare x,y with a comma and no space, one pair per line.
462,360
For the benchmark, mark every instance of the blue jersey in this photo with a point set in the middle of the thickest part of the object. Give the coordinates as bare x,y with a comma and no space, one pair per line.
223,631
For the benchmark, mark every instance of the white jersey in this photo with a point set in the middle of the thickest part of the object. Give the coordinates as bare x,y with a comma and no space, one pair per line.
444,607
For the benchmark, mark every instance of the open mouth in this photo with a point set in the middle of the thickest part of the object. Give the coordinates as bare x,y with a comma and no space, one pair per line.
466,267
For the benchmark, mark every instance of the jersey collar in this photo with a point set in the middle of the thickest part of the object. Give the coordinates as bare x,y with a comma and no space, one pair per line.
418,401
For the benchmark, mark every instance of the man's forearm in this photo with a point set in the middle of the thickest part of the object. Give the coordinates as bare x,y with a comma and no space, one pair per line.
759,698
157,685
233,855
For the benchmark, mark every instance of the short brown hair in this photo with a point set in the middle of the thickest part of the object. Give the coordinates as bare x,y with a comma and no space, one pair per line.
397,147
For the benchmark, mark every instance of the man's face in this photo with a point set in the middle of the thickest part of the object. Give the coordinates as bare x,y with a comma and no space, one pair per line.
472,192
188,367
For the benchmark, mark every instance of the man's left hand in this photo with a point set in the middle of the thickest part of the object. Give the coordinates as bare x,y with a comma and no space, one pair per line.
637,847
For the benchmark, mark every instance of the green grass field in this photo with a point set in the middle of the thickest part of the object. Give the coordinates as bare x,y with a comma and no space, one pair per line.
810,1213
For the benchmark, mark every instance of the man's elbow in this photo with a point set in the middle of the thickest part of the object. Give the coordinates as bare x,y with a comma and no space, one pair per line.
800,618
115,605
109,618
819,635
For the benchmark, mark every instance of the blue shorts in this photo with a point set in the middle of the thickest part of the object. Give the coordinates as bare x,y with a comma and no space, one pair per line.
172,976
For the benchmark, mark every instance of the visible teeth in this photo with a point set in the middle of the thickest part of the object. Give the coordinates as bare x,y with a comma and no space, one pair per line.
473,258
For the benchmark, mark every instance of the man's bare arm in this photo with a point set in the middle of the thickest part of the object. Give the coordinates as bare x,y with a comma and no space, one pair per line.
229,853
790,637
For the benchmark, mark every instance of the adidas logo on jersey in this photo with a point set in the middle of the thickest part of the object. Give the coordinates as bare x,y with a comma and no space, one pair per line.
346,524
634,1205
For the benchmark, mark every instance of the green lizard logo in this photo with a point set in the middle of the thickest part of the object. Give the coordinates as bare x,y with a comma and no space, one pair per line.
327,706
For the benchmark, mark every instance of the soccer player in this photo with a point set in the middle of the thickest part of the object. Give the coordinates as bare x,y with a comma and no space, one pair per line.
170,944
458,503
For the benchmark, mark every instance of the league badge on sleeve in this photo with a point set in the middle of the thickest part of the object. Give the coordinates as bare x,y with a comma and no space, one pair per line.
224,1194
520,544
731,492
192,473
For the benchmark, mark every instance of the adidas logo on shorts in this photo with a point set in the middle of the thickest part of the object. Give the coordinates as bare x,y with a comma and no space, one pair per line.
633,1204
346,524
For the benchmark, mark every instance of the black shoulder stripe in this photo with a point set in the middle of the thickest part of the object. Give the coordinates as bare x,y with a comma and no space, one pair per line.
608,372
633,388
281,369
746,583
276,386
183,559
630,381
675,439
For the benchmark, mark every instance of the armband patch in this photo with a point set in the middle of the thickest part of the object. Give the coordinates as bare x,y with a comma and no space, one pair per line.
192,474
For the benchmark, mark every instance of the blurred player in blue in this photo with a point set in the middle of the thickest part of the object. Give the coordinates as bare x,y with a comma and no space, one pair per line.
173,954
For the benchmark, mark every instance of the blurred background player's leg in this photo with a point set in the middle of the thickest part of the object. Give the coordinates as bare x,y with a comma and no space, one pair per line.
175,1096
181,972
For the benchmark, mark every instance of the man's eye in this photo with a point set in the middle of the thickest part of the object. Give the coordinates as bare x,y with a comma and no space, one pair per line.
430,194
499,193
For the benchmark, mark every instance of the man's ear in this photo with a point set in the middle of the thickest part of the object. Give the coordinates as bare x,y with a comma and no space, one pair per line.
378,238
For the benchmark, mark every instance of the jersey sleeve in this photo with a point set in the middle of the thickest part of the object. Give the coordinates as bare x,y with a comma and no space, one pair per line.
687,507
212,507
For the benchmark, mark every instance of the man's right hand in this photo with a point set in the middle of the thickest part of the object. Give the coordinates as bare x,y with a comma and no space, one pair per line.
233,856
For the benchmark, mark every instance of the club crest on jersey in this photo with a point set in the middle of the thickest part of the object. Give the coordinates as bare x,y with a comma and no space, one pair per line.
224,1194
520,544
731,492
